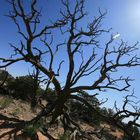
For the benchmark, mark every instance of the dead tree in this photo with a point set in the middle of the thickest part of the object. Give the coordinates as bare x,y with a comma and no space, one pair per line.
99,65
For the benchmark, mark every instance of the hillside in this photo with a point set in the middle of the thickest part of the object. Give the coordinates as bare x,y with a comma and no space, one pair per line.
16,103
20,109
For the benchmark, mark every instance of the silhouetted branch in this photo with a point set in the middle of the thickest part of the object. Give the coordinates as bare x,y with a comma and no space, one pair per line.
78,42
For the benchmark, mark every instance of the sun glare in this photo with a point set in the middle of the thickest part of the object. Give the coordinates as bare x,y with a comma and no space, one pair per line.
134,14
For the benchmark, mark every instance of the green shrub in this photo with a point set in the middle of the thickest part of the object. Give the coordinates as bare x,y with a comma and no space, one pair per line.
31,129
5,102
16,112
65,136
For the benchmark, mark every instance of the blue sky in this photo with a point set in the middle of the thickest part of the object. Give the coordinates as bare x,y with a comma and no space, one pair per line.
123,16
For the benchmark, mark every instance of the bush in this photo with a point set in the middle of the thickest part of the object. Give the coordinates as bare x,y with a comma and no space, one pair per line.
31,129
16,112
82,112
5,102
22,87
65,136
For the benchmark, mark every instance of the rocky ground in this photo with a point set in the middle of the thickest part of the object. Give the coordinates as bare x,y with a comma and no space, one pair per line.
21,110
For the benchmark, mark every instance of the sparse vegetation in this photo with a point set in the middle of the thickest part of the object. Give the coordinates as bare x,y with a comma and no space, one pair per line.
32,129
65,136
78,111
16,112
5,102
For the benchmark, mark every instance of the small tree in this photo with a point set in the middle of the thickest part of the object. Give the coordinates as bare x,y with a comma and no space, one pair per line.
5,78
21,87
77,41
